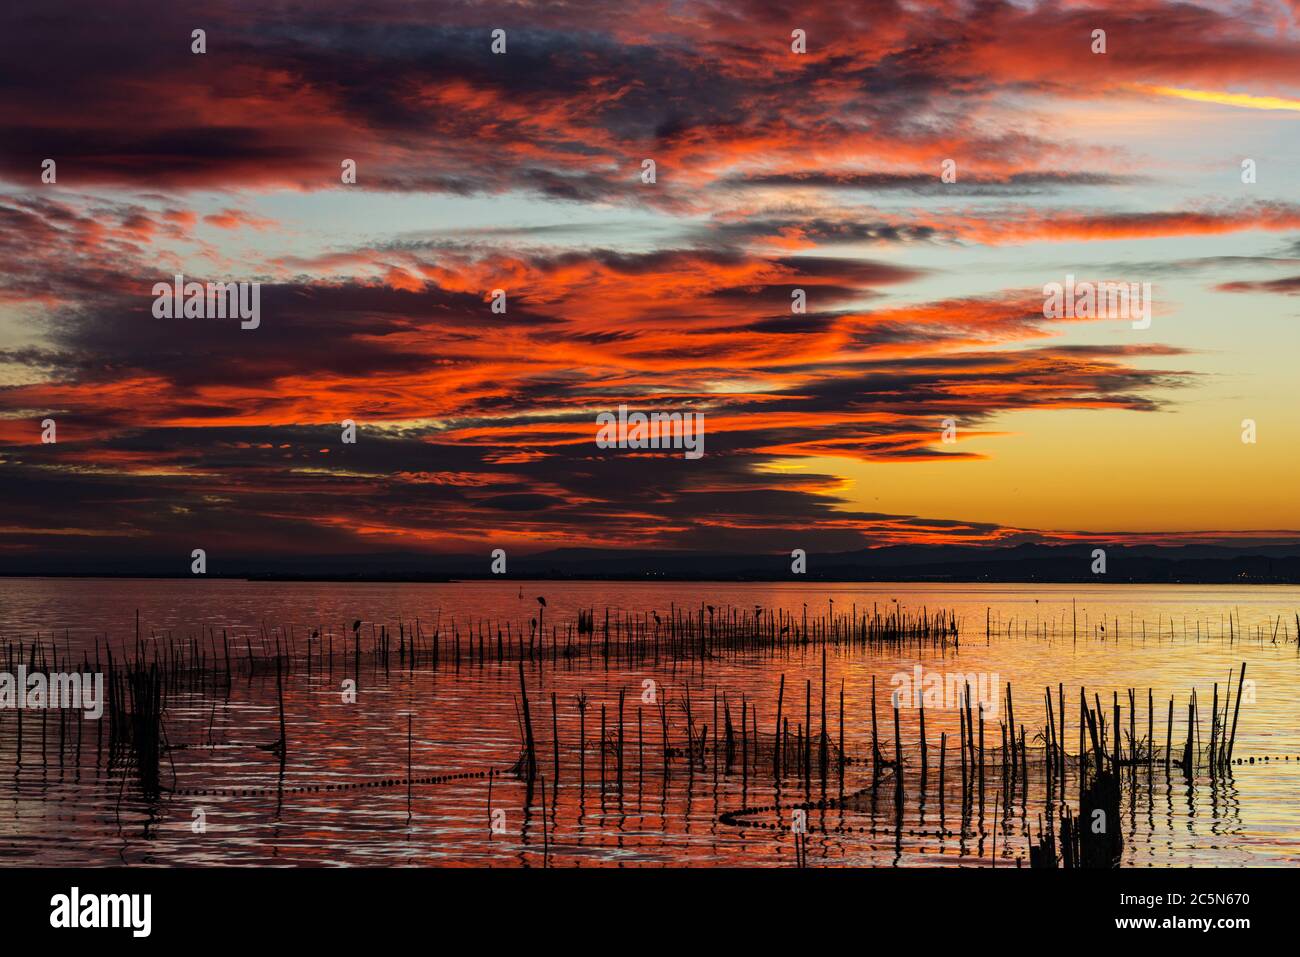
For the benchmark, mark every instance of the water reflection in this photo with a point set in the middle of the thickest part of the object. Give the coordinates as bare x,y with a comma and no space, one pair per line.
413,769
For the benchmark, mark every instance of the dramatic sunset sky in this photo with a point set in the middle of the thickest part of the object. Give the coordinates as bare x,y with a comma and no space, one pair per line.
775,171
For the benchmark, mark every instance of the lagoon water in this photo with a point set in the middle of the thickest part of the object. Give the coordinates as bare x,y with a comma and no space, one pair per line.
464,720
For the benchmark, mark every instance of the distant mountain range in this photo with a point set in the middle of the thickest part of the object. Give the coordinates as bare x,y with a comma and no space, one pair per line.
1204,564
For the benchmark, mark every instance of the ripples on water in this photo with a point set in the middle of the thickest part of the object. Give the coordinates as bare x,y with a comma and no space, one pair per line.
464,721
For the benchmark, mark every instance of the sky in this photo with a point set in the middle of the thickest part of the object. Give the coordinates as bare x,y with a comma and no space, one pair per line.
920,171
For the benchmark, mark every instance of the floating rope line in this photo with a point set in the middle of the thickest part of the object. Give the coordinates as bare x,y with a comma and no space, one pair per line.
324,788
737,818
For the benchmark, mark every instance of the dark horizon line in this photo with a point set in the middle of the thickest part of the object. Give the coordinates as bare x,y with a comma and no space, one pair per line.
1279,581
1023,563
898,579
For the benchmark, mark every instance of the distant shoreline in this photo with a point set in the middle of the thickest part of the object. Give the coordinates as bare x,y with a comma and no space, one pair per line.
648,579
1027,563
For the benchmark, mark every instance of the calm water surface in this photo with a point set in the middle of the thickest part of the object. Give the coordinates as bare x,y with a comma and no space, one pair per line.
465,720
